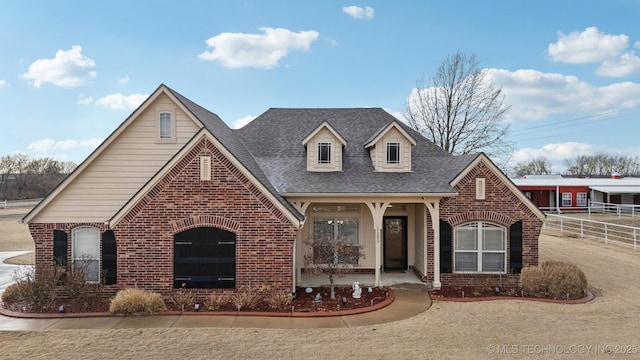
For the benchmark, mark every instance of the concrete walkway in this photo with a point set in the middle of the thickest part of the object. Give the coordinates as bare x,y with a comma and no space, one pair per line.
410,300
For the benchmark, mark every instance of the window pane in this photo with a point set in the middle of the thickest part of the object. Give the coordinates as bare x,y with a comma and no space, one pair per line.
493,238
165,125
86,251
466,261
393,153
348,229
466,238
323,229
324,153
493,262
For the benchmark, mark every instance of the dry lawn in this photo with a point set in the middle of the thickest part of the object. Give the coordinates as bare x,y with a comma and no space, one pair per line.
15,236
446,331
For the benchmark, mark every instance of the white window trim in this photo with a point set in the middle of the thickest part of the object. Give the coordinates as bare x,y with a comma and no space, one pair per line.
581,199
479,251
569,199
172,137
74,240
386,153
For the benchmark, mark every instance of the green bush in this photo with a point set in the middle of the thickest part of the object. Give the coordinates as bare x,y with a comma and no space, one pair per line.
554,279
131,300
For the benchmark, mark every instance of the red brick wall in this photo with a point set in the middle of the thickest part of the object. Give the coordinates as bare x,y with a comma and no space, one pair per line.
180,201
502,207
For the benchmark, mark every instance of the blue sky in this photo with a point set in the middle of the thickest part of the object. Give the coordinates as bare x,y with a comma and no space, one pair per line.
72,71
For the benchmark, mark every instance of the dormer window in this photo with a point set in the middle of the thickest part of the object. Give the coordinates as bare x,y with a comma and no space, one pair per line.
324,149
393,153
324,153
390,149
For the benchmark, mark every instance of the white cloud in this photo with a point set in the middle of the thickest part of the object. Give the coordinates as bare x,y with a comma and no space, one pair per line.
67,69
48,145
357,12
3,83
588,46
624,65
535,95
124,80
84,99
122,102
242,121
238,50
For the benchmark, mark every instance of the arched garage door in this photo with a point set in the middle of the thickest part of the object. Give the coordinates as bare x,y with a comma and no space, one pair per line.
204,257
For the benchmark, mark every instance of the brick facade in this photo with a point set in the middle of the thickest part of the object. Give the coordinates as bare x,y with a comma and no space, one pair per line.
181,201
502,207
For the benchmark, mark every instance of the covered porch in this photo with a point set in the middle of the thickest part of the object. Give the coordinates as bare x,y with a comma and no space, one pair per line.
396,235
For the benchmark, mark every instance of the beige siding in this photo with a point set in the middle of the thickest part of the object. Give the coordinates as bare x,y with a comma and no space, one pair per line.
122,168
324,135
379,152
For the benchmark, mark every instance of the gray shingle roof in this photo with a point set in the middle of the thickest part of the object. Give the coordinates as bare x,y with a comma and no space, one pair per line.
275,141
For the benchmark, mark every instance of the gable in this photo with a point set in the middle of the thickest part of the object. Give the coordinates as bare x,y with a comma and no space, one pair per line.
390,150
324,149
483,181
119,167
225,182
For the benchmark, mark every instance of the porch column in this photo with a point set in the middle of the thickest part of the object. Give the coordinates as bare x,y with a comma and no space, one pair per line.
377,213
434,212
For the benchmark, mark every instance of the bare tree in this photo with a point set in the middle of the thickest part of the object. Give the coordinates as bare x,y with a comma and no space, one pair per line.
602,164
332,255
536,166
459,109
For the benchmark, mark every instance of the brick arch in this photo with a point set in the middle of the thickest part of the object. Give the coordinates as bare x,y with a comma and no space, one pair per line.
205,220
491,216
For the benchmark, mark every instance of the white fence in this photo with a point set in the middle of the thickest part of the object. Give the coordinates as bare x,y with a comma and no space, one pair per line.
617,209
609,233
18,203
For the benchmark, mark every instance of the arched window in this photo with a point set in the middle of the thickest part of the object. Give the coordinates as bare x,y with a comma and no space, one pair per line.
480,247
85,251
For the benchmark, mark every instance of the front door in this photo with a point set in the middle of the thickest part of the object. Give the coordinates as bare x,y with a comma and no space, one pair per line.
395,243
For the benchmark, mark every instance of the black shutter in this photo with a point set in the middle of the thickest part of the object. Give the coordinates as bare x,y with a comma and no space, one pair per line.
109,258
60,247
515,247
445,247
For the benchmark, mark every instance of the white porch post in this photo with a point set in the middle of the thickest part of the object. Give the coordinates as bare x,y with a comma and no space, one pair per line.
377,213
434,212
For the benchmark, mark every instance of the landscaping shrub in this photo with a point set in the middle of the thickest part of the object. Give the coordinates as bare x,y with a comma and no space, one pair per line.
566,281
245,300
131,300
280,301
216,302
554,279
183,298
36,290
14,293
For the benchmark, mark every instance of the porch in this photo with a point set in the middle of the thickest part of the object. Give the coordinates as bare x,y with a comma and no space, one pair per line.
387,279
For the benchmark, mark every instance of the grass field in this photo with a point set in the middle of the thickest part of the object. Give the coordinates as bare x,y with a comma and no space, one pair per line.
15,236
